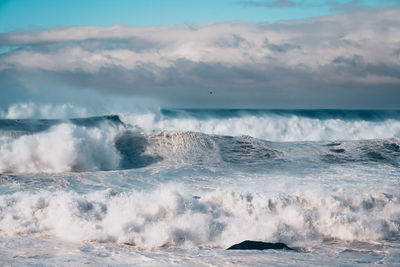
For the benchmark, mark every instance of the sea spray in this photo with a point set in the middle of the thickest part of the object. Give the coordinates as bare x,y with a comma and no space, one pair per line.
175,216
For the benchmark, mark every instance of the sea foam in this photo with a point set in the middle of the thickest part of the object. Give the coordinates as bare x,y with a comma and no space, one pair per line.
174,216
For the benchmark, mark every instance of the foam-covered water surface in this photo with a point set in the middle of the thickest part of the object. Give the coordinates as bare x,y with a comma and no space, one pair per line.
178,187
48,251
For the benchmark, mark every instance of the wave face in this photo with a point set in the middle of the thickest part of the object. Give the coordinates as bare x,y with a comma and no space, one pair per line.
68,147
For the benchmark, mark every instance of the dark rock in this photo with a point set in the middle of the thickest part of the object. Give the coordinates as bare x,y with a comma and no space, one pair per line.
257,245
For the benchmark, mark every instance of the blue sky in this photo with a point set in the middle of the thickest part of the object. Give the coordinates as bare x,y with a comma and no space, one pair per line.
28,14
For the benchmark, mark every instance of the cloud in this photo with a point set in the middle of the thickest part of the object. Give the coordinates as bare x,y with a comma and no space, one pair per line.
337,5
281,48
333,5
343,61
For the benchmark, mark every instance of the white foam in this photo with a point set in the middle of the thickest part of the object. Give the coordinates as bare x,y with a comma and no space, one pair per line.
171,216
64,147
270,127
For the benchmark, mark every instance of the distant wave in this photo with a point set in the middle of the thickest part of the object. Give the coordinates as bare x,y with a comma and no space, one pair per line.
29,126
322,114
271,125
172,216
25,110
274,125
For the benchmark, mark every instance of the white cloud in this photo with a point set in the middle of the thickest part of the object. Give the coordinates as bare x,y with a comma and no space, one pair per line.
357,49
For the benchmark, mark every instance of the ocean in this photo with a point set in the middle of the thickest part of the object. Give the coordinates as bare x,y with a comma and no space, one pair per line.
177,187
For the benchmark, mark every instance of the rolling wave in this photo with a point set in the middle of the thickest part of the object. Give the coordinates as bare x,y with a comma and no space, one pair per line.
92,145
64,147
173,216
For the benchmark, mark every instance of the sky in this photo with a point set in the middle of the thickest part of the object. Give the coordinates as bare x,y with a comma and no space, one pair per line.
249,54
26,14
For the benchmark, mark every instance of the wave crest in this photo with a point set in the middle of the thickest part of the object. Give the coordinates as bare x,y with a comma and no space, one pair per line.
271,127
65,147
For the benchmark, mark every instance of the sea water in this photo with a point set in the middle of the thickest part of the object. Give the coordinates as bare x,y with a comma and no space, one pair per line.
178,187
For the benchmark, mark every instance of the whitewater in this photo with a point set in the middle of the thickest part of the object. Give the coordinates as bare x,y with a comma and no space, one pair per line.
173,187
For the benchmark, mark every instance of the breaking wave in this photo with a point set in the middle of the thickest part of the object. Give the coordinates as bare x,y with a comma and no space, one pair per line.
109,143
173,216
65,147
279,126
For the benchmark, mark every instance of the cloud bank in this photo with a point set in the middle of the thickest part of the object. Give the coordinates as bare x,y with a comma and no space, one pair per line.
340,61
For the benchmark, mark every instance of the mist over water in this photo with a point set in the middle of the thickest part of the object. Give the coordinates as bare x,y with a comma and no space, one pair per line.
178,181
